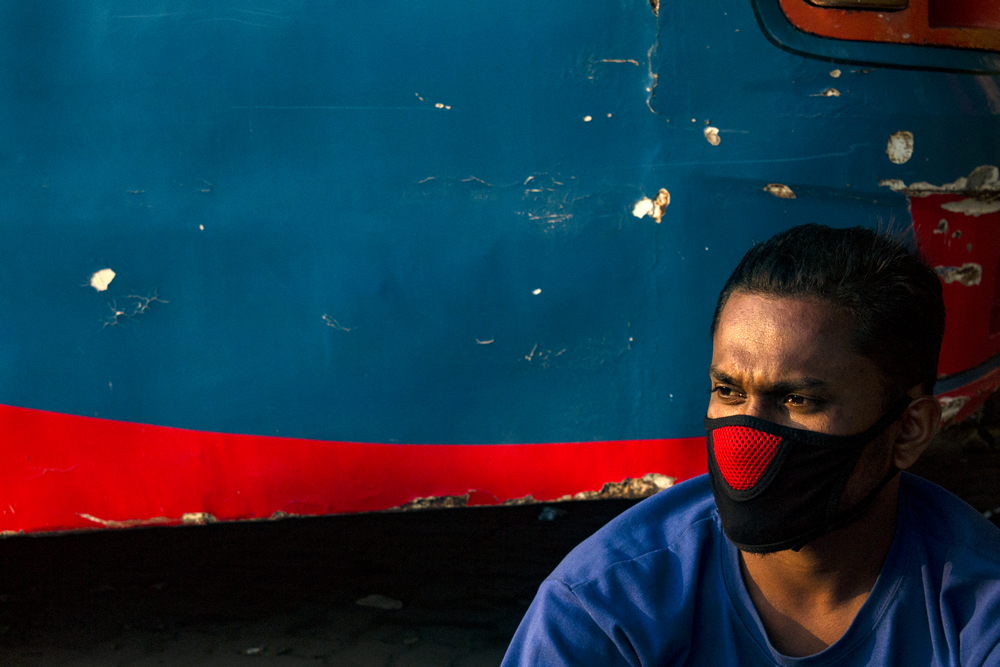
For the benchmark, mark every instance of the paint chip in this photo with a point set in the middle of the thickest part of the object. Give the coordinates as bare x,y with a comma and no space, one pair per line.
101,279
587,119
900,147
712,135
829,92
835,73
779,190
951,406
972,206
654,208
439,106
201,227
536,292
968,274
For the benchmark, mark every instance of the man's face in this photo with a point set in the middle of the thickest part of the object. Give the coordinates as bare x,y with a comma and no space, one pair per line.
789,361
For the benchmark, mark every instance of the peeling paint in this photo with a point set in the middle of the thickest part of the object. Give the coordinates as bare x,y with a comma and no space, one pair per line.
951,406
968,274
900,147
779,190
712,135
829,92
835,73
982,183
197,518
629,487
654,208
434,503
972,206
127,523
655,6
485,342
101,279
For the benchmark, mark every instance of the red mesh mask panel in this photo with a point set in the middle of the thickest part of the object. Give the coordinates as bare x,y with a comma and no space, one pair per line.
743,454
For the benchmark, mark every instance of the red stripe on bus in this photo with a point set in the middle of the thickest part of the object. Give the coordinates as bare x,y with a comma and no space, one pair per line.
63,472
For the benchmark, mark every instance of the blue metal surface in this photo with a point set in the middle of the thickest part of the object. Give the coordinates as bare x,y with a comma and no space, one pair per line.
331,252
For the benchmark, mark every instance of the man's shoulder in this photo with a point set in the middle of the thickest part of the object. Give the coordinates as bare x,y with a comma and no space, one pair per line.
945,520
678,520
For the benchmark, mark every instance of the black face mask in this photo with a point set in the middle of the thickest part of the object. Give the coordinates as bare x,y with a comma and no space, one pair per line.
778,487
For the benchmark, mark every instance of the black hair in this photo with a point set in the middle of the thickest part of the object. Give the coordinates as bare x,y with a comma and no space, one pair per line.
893,296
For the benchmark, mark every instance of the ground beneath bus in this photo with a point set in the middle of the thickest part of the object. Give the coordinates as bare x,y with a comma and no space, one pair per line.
441,587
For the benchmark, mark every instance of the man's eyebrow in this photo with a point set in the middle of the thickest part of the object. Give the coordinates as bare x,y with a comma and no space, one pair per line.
784,387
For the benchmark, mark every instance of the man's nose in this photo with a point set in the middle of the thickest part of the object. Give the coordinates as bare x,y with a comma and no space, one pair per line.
761,407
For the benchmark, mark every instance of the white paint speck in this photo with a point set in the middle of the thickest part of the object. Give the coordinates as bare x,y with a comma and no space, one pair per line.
609,115
900,147
587,119
536,292
835,73
642,207
201,227
101,279
439,106
712,136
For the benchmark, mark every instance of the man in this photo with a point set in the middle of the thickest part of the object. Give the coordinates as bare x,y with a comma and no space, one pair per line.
802,540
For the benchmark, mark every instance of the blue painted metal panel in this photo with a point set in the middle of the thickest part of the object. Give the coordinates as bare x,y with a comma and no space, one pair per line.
328,250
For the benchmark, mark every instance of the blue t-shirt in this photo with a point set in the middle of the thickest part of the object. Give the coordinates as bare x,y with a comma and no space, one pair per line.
661,585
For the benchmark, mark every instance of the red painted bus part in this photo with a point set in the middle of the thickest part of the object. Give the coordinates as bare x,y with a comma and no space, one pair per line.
69,472
972,24
959,235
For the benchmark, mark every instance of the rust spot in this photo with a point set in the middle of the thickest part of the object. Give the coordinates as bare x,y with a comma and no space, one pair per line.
968,274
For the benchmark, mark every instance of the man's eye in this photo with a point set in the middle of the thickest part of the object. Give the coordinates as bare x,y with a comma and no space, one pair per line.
795,399
724,392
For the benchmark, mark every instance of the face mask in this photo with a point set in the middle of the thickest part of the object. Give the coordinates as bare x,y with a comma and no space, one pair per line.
778,487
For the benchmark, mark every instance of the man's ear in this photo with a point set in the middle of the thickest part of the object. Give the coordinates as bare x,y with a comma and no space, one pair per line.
920,422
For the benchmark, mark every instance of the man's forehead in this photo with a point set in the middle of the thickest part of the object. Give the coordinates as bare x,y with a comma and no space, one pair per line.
783,340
